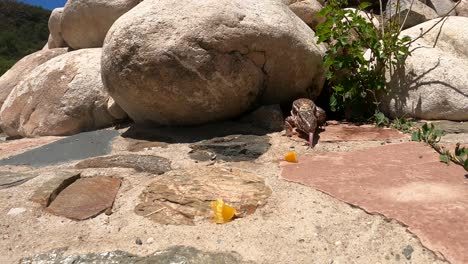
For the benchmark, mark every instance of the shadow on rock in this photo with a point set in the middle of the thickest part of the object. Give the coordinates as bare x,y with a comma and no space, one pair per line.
261,121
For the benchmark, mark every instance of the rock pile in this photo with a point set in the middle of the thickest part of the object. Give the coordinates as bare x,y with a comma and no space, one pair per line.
158,62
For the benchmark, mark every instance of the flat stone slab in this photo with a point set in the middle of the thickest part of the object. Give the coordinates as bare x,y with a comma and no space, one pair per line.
345,132
194,133
10,179
402,181
13,147
76,147
449,127
85,198
183,197
45,194
141,163
230,148
174,254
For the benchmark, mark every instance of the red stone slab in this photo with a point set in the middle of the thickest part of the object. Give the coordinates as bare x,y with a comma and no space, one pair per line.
348,132
85,198
402,181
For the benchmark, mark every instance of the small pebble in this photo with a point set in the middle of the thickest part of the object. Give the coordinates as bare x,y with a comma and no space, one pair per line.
150,240
337,243
407,251
138,241
16,211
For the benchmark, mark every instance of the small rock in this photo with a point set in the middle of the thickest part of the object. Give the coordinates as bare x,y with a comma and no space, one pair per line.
407,251
138,241
108,211
16,211
338,243
150,240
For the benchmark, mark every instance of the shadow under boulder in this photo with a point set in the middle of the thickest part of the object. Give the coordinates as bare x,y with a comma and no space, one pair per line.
230,148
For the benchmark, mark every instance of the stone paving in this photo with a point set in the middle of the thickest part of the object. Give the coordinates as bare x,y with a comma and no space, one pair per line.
403,181
172,175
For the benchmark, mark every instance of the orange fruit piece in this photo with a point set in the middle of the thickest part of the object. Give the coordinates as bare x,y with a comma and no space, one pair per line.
222,213
291,157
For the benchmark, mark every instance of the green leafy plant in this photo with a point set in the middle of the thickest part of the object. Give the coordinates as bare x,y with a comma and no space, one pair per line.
431,135
427,133
381,120
459,156
357,79
403,124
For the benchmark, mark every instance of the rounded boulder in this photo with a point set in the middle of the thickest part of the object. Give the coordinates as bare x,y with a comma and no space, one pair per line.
433,82
55,38
13,76
85,23
63,96
166,64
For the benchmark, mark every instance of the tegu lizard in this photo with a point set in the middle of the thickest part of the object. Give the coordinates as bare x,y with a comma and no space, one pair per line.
305,117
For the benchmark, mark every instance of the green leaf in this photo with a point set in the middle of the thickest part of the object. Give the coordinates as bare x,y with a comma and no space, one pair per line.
333,103
465,165
444,158
416,136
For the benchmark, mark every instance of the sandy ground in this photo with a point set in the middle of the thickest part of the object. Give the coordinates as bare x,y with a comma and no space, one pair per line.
298,224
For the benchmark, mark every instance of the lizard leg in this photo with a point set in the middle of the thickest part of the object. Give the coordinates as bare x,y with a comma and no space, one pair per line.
289,125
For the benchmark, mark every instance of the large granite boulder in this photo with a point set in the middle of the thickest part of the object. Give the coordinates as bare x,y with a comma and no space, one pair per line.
442,7
462,8
164,63
307,11
433,84
85,22
13,76
63,96
418,12
55,38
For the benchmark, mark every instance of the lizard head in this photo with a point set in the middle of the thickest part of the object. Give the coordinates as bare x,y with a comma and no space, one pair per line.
321,116
306,121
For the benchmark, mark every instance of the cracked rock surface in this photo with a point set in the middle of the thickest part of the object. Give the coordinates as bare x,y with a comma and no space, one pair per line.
183,197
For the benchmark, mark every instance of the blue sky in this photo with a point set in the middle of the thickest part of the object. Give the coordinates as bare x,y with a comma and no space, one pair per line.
47,4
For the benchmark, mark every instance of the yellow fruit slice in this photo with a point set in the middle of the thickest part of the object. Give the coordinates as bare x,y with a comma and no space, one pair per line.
291,157
222,213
